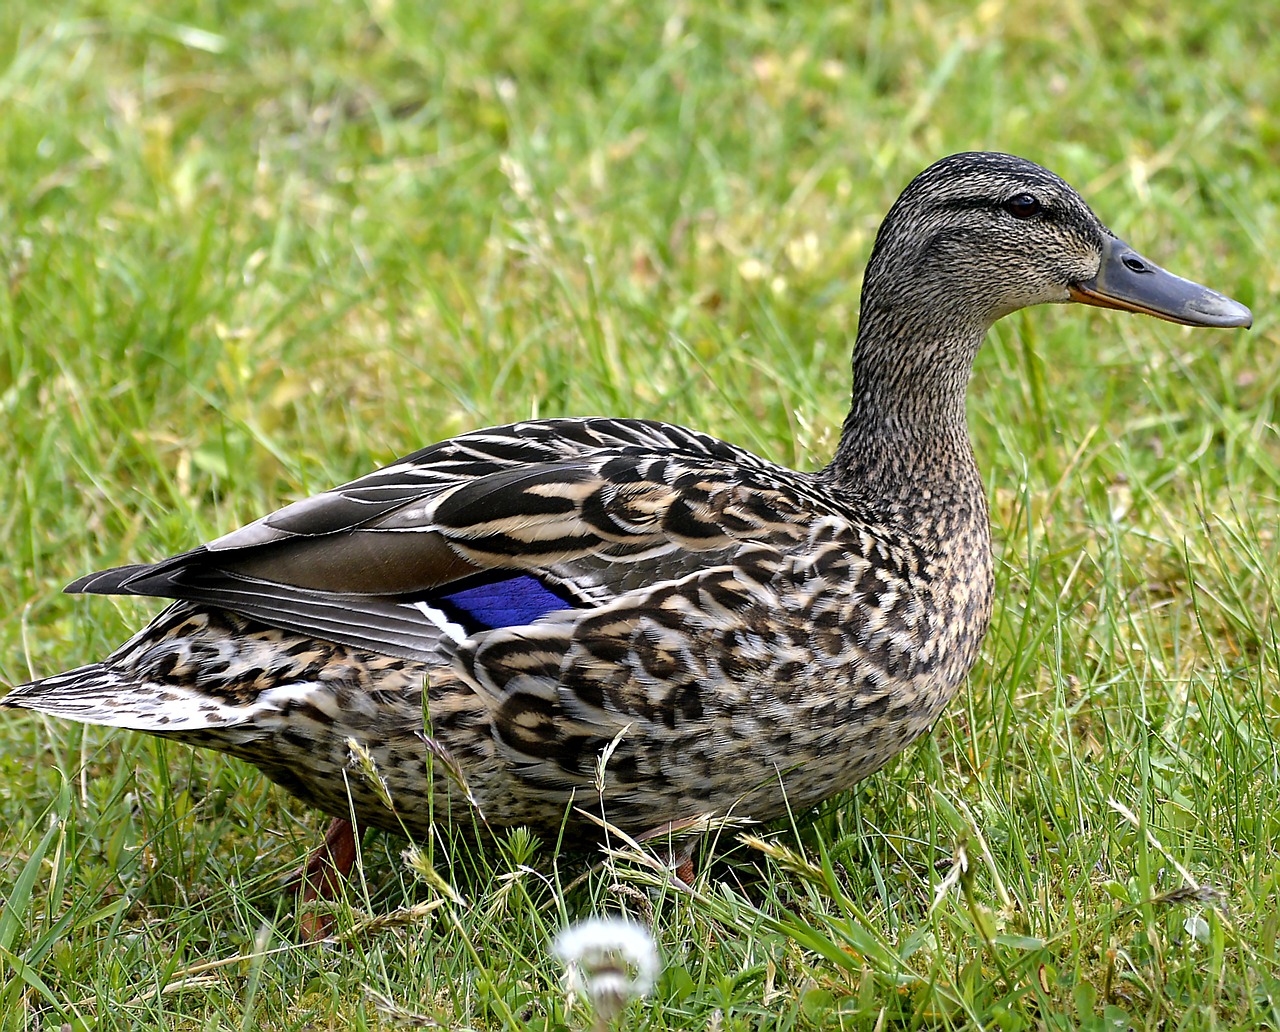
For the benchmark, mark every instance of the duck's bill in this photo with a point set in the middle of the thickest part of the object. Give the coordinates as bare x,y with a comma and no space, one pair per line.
1130,282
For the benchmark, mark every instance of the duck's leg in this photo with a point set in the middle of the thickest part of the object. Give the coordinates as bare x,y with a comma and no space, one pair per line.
326,869
680,850
682,858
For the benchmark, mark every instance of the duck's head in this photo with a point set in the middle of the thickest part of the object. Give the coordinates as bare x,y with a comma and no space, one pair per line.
976,236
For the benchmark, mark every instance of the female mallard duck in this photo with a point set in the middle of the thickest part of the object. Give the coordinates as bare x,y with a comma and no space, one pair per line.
620,618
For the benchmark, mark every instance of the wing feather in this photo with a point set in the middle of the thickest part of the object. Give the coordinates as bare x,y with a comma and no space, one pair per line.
572,503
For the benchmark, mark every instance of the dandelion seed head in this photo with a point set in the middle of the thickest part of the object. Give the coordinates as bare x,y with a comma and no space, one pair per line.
608,960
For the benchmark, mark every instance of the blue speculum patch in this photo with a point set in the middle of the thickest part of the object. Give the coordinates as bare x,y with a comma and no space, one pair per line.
506,603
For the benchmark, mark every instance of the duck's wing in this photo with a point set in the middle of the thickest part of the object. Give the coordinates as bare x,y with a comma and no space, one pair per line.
495,528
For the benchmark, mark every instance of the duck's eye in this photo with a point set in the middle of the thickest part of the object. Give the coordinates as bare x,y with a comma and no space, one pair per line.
1022,206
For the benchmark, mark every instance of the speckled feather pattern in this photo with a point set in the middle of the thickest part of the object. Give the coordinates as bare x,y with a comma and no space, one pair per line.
620,616
762,666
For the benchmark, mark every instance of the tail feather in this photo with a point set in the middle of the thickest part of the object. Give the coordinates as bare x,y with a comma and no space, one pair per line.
98,694
217,678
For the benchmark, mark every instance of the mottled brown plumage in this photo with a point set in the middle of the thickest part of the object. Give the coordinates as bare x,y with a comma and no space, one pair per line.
625,617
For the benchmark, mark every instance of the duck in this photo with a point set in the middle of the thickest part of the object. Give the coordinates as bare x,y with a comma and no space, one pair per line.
571,623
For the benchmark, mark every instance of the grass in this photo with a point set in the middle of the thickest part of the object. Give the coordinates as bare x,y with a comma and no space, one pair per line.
252,250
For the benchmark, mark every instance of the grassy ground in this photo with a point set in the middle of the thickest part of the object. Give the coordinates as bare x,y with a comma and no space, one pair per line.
248,250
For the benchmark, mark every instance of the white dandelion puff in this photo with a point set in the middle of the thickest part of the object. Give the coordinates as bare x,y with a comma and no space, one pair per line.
609,961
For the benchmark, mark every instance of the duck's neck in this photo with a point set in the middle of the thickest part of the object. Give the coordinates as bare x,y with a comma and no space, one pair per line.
905,441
